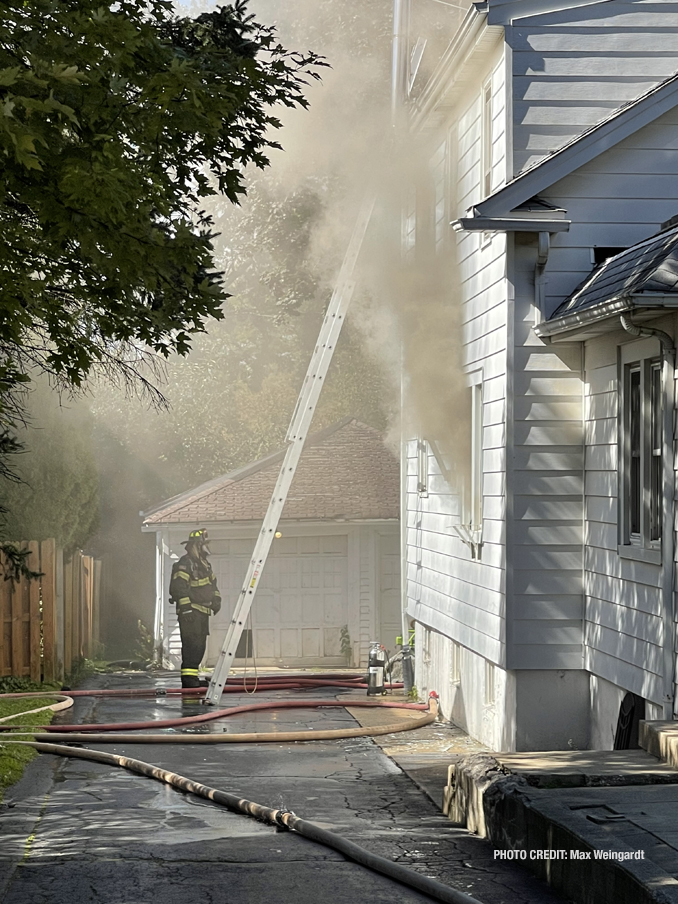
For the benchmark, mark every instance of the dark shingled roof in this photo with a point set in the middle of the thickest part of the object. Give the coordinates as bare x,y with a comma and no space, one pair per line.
648,267
345,472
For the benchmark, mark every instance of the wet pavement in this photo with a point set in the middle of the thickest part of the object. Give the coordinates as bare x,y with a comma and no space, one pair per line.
90,834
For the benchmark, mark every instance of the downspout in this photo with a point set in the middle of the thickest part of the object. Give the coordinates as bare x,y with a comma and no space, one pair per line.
543,250
668,538
401,19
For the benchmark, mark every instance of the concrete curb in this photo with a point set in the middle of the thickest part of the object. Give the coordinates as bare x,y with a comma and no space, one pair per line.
525,821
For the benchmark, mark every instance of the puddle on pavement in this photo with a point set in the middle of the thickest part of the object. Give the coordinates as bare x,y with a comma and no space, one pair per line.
216,821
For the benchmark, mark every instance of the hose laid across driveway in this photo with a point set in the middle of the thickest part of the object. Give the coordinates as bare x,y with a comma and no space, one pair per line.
76,734
281,818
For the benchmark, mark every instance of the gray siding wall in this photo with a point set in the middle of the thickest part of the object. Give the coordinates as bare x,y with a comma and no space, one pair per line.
545,453
620,198
571,69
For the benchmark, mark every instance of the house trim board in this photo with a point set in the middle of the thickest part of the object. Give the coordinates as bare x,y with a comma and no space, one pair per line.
505,12
509,548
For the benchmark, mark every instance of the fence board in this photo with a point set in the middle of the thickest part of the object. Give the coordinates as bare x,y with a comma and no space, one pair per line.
49,615
34,626
6,610
68,616
17,659
35,615
96,603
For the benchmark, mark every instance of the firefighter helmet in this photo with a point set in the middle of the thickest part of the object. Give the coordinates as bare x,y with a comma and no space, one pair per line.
199,538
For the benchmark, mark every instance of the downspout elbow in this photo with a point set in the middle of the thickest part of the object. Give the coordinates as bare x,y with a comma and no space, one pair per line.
641,332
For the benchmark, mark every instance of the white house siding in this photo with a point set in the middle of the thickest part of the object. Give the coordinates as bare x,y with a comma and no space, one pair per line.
572,68
455,598
545,451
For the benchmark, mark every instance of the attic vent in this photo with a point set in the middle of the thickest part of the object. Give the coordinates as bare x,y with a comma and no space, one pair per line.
601,253
669,224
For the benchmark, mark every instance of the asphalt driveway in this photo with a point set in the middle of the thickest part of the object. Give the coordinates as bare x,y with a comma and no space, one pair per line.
74,831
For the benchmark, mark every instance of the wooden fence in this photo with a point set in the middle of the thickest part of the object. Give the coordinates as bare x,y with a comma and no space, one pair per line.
50,623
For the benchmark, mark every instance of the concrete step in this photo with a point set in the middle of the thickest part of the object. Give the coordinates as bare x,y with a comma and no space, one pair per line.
661,740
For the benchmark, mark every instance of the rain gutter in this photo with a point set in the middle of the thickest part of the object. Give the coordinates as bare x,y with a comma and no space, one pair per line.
606,311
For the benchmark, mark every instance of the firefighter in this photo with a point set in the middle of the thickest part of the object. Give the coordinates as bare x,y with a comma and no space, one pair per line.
194,591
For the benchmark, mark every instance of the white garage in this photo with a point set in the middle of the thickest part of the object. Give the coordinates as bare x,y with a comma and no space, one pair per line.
332,581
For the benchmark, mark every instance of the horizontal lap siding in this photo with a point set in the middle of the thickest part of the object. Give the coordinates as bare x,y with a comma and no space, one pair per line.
447,590
623,597
620,198
546,601
572,69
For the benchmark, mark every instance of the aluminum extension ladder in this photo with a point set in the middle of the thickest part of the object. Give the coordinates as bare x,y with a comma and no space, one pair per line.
296,437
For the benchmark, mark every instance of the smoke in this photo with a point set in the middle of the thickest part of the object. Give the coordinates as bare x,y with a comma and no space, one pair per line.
407,310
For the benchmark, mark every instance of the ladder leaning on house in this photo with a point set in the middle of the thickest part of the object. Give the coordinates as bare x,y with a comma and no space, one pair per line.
296,437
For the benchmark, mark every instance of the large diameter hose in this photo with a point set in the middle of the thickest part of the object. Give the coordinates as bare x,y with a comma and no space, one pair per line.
310,830
212,715
276,737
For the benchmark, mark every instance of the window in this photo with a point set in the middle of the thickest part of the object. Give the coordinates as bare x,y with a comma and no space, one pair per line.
641,447
422,467
486,139
602,253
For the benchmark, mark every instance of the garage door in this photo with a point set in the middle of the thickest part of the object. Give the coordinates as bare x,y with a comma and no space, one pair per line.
301,605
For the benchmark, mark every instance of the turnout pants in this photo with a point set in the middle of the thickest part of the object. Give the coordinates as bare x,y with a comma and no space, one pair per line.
194,628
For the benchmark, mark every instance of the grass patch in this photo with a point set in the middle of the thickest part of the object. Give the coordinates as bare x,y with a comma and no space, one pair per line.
13,758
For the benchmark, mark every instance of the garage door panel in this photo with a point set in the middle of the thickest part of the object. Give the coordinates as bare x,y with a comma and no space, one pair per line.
264,643
310,643
289,643
290,609
311,572
334,609
308,546
301,604
311,609
332,641
334,545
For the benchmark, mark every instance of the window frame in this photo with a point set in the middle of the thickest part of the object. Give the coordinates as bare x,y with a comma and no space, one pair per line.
641,463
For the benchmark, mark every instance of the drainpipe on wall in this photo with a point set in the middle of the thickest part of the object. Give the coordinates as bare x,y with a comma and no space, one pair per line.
668,538
543,250
401,18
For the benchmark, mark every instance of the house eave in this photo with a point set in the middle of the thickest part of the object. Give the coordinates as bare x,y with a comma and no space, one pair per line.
452,72
510,224
603,318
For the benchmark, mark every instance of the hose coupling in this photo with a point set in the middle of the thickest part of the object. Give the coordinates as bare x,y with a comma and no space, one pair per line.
279,817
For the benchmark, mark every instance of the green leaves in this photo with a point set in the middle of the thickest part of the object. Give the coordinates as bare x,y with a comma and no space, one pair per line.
116,122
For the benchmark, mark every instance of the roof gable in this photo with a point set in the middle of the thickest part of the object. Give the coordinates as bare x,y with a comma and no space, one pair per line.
345,473
623,122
